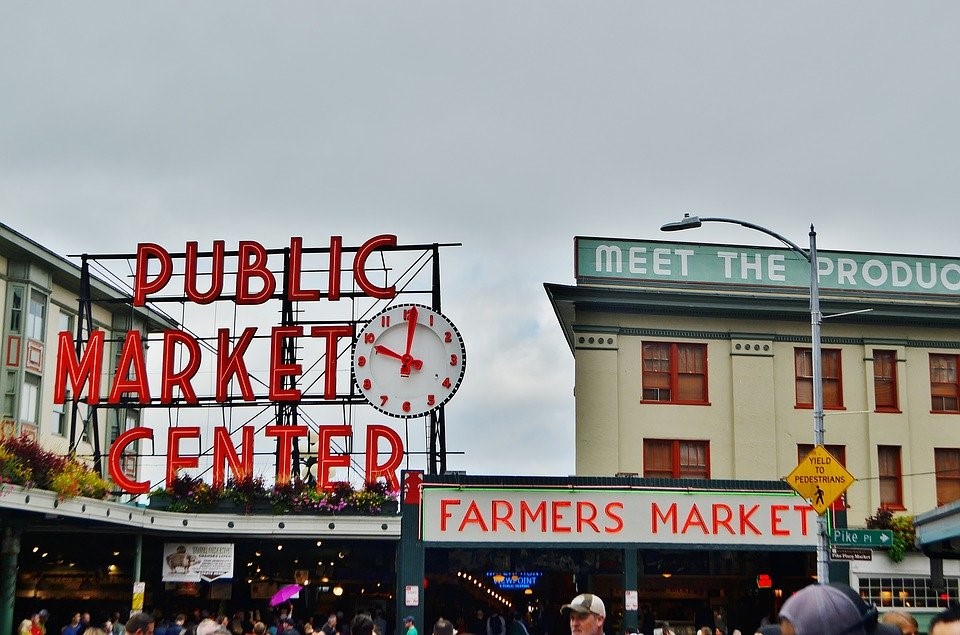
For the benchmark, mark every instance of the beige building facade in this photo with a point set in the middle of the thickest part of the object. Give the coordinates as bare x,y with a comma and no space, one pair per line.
40,296
711,377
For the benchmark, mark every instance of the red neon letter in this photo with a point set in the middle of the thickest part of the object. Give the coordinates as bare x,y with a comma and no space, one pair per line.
232,365
256,268
444,514
79,372
116,453
241,467
279,370
333,286
776,520
326,459
216,273
388,470
131,360
174,460
169,378
360,264
295,272
333,335
141,286
611,512
285,436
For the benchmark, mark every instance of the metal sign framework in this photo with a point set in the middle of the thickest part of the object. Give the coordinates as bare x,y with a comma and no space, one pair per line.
414,270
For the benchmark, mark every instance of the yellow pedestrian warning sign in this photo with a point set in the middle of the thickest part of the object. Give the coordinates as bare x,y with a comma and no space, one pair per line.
820,478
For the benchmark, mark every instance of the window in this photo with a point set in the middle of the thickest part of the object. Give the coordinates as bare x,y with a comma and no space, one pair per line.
891,479
944,391
35,314
839,452
61,412
830,369
666,458
885,381
16,310
674,373
946,462
65,322
30,399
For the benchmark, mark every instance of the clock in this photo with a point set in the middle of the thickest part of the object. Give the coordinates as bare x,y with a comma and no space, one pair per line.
408,360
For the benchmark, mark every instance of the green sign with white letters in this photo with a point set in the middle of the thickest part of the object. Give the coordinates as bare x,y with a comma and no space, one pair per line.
863,538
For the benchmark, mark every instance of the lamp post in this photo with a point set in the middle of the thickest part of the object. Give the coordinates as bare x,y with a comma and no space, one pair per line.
810,255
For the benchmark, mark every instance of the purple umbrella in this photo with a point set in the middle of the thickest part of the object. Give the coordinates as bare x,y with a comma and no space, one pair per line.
285,593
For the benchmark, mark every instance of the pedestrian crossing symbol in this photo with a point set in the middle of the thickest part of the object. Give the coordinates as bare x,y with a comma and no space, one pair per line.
820,478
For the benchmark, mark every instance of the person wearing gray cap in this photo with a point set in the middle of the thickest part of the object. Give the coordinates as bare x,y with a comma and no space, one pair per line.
587,614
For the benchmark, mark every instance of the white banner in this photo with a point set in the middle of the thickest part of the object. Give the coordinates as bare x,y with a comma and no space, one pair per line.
192,562
632,516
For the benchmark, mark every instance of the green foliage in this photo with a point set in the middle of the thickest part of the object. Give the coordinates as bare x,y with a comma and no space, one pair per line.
904,532
191,494
12,469
24,462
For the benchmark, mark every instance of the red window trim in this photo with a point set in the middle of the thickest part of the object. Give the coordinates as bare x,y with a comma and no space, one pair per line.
675,455
956,363
675,375
898,478
839,378
894,379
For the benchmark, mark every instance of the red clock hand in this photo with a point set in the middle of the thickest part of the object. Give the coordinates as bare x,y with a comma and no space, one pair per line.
383,350
412,316
407,361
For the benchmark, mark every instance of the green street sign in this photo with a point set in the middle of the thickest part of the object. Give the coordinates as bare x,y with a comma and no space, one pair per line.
863,538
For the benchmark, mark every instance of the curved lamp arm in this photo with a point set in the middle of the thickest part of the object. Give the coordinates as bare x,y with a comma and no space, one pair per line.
692,222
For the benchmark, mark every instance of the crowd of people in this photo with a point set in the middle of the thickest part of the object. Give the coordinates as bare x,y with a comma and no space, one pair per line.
818,609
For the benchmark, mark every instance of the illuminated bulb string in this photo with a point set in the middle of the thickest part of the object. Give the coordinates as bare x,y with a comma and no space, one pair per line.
485,589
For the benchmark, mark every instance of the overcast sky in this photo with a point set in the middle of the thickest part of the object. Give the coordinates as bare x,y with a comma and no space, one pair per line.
509,127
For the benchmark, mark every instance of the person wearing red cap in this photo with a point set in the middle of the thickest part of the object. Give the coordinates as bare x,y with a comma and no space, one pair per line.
587,614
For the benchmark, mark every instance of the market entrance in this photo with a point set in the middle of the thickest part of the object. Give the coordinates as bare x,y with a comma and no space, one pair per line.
686,588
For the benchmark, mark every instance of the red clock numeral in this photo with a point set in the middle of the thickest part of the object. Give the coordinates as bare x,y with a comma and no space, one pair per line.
383,400
367,384
453,360
384,321
431,400
368,338
431,319
446,383
406,315
447,337
406,406
361,361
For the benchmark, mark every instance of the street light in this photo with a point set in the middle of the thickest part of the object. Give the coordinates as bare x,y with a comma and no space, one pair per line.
810,255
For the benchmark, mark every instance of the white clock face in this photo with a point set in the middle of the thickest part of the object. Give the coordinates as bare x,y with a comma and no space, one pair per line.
408,360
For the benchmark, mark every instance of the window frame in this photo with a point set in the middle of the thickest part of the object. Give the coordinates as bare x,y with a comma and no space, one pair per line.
942,473
30,399
894,478
801,380
35,326
885,384
949,390
676,467
652,379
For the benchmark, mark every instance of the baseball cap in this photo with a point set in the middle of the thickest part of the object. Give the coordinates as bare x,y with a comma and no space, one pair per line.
832,609
408,618
586,603
44,613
